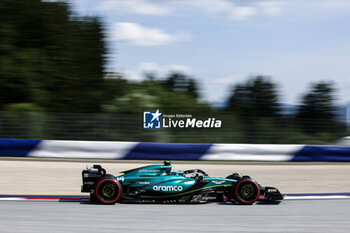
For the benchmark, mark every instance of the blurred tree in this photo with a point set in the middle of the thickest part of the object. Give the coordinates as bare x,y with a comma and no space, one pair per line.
252,102
115,86
192,88
50,57
22,107
316,111
179,82
150,94
150,76
255,98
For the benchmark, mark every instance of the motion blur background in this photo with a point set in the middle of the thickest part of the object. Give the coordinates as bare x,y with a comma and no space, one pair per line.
71,70
273,71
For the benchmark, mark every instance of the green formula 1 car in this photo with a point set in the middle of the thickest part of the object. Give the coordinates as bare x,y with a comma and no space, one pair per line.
158,184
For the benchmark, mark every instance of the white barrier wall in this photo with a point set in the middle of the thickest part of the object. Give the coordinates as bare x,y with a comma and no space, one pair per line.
171,151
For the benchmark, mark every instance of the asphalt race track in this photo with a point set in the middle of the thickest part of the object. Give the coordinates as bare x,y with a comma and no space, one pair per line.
289,216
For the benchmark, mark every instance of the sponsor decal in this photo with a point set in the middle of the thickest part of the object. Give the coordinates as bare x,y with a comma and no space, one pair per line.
120,178
167,188
91,175
208,198
89,182
271,190
190,182
218,181
143,182
157,120
155,170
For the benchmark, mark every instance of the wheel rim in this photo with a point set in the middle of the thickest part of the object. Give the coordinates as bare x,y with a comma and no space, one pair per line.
108,190
247,191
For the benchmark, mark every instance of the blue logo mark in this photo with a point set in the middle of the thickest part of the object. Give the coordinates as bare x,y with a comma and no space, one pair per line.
151,120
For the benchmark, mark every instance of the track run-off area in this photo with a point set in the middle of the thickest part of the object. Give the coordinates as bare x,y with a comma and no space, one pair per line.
26,176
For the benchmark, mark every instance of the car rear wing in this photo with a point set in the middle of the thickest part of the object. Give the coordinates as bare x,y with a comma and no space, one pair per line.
90,176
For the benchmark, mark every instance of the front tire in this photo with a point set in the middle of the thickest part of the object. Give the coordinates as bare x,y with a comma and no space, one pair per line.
107,190
247,191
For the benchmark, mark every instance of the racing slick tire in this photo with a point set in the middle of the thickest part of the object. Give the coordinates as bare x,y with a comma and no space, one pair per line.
246,192
107,190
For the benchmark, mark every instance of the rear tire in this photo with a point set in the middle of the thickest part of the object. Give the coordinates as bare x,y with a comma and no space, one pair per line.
107,190
247,191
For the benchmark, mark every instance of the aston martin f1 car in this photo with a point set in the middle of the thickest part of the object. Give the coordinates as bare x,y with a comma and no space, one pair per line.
158,184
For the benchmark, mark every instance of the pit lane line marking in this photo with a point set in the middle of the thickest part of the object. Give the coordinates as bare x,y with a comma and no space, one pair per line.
309,197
